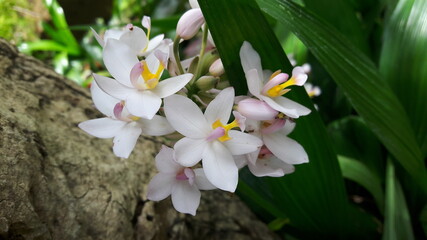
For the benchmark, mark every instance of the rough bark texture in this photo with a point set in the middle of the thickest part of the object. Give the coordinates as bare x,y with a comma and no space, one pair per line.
56,182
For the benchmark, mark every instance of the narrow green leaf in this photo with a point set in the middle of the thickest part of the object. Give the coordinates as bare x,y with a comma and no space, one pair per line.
397,222
41,45
423,219
361,174
314,197
357,76
404,62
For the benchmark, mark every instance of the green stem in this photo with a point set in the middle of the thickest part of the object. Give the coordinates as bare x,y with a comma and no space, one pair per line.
176,54
202,52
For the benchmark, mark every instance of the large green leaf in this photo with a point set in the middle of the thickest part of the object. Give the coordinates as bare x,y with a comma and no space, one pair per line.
397,222
313,198
404,62
369,94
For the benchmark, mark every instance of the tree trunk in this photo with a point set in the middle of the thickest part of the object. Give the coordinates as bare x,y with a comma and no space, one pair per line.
57,182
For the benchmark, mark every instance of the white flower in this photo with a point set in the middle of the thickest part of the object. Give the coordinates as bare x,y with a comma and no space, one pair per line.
120,125
271,91
207,138
181,183
312,91
190,23
133,36
138,82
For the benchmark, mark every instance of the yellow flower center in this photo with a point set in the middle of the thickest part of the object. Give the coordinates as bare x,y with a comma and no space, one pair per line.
280,89
151,79
227,127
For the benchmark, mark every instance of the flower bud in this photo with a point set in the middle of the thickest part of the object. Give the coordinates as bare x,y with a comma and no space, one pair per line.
216,69
190,23
206,83
256,110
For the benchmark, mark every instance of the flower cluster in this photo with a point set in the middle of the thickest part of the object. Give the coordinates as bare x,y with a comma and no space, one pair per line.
221,133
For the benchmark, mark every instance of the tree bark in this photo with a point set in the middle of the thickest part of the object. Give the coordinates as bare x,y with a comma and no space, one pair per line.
57,182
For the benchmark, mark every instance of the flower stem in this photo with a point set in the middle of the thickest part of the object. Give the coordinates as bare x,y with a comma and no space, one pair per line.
176,54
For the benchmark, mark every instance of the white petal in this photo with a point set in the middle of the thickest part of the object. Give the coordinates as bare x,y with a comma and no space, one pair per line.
158,126
194,4
97,37
185,197
160,186
172,85
240,161
242,143
126,139
119,60
112,87
143,104
220,107
255,83
219,167
188,152
186,117
112,34
250,59
103,102
201,181
165,162
154,43
286,149
263,169
286,106
135,39
288,128
102,127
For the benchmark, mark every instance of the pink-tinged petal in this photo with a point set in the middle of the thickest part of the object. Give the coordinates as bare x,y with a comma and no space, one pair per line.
256,110
162,57
165,162
146,22
219,167
119,59
201,181
284,148
97,37
135,74
241,120
125,140
220,107
172,85
276,125
278,79
185,198
254,81
112,87
135,38
103,102
188,152
157,126
102,127
250,60
143,104
186,117
286,106
298,73
160,186
190,23
154,43
242,143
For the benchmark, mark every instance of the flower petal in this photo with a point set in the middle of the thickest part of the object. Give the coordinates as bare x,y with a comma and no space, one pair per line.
136,39
185,197
165,162
256,109
154,43
242,143
272,167
160,186
172,85
284,148
157,126
219,167
126,139
143,104
188,152
112,87
186,117
286,106
201,181
220,107
103,102
250,59
119,60
97,37
102,127
254,81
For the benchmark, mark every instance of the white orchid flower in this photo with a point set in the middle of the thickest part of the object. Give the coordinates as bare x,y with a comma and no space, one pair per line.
133,36
180,182
209,137
138,82
272,89
120,124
